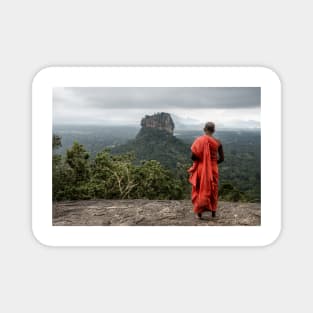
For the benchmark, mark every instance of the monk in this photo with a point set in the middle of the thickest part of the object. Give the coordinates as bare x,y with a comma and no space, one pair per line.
207,152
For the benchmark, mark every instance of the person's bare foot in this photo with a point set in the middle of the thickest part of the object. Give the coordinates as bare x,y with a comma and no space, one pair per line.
199,216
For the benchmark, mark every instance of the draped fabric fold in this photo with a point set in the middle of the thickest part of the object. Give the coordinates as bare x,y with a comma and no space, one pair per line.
204,174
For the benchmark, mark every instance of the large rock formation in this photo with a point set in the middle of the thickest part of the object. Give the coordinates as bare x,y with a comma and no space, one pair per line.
156,141
161,121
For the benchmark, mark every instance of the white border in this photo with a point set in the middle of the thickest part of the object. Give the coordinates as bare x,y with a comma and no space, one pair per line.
48,78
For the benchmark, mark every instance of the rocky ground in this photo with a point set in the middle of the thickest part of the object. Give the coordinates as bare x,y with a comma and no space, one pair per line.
151,212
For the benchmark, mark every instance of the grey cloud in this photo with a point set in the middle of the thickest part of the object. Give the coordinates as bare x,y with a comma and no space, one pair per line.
159,98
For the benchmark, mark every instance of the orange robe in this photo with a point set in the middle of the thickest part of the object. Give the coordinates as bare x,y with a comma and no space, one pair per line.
204,174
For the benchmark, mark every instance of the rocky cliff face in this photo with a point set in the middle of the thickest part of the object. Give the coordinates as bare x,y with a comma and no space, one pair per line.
161,121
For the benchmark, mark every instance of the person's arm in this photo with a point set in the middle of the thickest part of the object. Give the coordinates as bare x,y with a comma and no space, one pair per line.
220,154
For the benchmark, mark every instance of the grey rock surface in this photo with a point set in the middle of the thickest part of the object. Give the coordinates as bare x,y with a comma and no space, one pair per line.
151,213
161,121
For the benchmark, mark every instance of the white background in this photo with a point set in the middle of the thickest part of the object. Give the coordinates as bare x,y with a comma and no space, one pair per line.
42,104
35,34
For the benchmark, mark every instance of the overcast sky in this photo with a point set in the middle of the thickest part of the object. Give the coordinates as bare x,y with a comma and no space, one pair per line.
127,105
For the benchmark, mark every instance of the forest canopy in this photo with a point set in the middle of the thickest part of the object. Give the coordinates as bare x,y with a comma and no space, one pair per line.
108,175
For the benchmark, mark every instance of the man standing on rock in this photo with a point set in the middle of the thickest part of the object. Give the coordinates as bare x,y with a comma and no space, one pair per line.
207,152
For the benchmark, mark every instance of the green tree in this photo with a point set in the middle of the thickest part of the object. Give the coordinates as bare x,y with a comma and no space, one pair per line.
156,182
71,174
113,175
56,141
229,193
61,173
77,158
56,166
